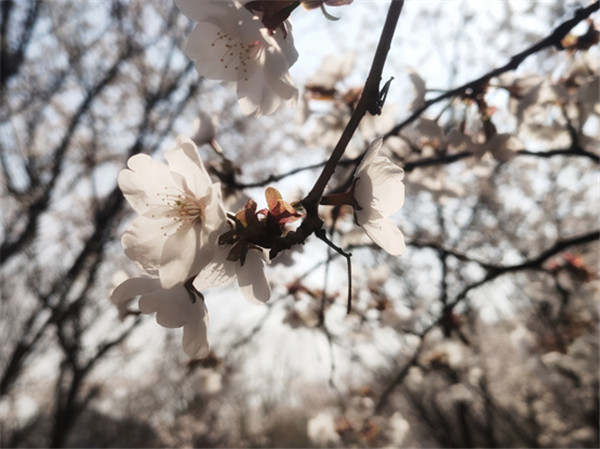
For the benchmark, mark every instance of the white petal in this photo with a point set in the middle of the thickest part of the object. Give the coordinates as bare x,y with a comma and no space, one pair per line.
282,86
143,240
255,96
218,57
133,287
215,218
387,185
143,181
386,234
183,158
420,90
178,261
195,332
367,214
371,154
252,280
173,307
217,273
286,44
270,85
379,184
263,94
206,11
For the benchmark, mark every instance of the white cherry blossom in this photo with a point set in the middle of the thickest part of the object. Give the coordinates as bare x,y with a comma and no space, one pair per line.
379,192
175,307
229,43
180,213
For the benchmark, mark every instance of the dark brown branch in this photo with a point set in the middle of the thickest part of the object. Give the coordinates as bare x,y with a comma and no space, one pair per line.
494,271
11,61
411,165
369,97
578,151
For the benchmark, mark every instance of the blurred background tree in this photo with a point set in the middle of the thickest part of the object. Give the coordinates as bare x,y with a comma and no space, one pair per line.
483,334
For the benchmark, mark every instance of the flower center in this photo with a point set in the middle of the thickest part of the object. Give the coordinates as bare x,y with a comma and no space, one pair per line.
235,54
182,208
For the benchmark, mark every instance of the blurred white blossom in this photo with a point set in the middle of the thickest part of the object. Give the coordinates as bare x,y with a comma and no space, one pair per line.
398,429
321,430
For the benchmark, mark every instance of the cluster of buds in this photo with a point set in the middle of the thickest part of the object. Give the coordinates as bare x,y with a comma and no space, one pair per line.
252,229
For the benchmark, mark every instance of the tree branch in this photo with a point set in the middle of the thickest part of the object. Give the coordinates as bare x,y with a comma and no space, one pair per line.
369,97
552,40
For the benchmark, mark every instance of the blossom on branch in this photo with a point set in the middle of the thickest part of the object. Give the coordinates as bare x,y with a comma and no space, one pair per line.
178,306
180,213
229,43
378,193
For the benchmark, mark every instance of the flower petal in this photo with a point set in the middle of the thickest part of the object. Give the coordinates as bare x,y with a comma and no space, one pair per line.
205,11
179,258
285,44
133,287
195,332
143,240
371,154
215,218
379,190
219,54
252,280
143,181
173,307
386,234
387,185
255,96
217,273
183,159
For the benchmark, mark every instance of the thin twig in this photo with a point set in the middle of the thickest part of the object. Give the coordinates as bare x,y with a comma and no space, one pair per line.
320,233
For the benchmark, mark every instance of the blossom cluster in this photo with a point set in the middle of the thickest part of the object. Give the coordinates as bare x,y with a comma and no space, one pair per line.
186,243
175,239
183,239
